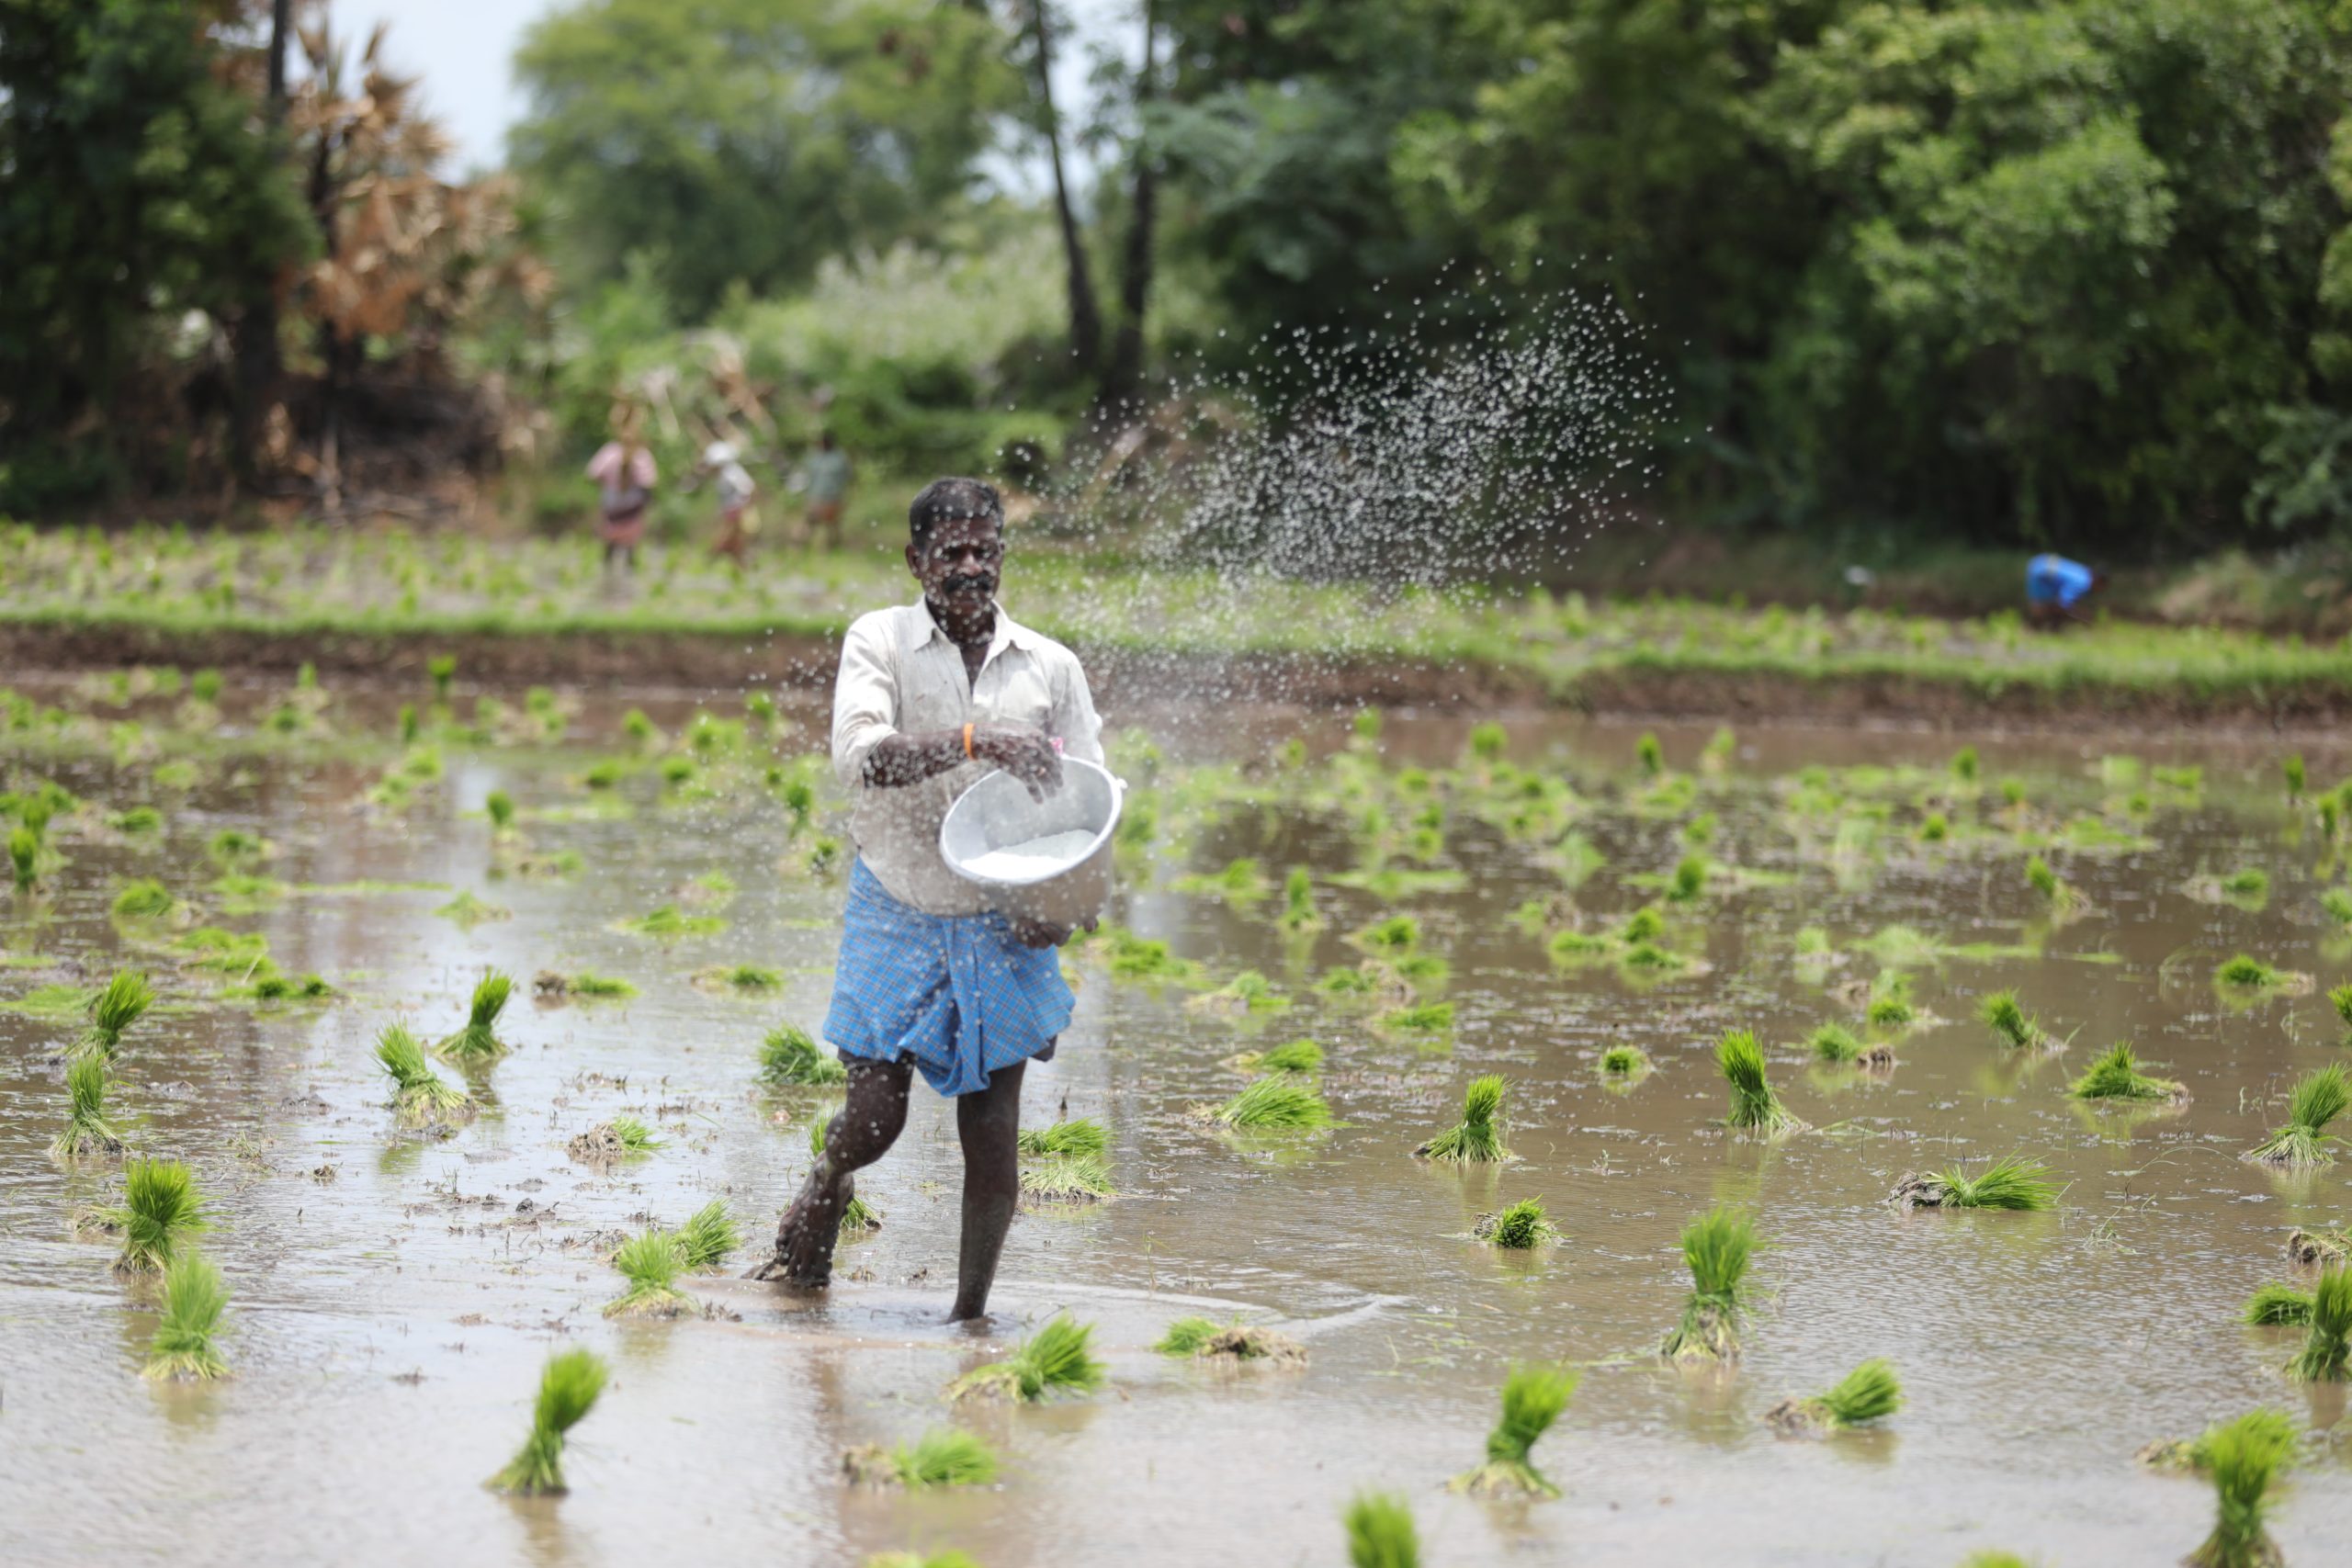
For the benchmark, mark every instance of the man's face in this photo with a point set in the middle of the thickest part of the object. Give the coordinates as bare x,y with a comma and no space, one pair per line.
962,562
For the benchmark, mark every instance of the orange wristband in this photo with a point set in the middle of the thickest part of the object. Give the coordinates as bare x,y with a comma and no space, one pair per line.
968,741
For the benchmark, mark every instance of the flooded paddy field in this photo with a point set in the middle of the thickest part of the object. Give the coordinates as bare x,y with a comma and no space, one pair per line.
397,1289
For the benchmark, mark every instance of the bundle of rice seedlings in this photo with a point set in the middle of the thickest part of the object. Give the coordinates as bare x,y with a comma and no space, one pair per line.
1297,1056
651,1262
194,1297
1624,1061
2243,1457
2340,998
707,1237
2117,1075
944,1456
87,1133
269,986
2009,1182
1246,992
2337,903
1203,1339
1754,1106
1299,913
1518,1228
549,984
1644,924
1276,1100
1650,755
1393,935
1422,1017
1690,879
1834,1042
1476,1139
1055,1359
160,1214
2292,767
1067,1178
2274,1302
500,807
1186,1335
1893,1011
2317,1100
418,1092
568,1391
2249,882
1075,1136
2062,896
1717,1246
2327,1344
1869,1393
669,920
144,898
1964,764
234,849
857,1217
478,1041
2010,1024
1381,1533
117,1005
2317,1248
790,1059
23,857
1533,1399
2242,973
469,911
616,1139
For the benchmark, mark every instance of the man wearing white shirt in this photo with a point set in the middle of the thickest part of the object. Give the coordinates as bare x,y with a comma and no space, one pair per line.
931,697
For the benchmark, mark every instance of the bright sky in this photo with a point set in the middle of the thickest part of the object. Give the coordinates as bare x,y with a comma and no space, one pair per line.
461,48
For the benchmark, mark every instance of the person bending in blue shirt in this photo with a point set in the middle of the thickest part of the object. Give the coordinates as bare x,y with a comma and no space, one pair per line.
2054,586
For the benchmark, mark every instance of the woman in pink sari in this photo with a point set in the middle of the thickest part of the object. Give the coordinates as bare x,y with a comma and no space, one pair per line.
623,469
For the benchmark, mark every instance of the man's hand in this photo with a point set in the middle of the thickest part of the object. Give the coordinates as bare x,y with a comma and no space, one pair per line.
1044,934
1025,754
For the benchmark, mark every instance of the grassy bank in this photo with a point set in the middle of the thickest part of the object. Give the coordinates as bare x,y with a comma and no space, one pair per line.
545,609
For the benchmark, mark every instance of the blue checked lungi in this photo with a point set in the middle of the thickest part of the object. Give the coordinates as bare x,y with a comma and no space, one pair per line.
958,994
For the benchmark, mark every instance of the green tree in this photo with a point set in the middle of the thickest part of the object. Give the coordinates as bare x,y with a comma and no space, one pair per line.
138,184
741,141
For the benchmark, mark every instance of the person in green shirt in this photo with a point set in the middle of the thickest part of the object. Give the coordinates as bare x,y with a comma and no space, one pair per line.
827,474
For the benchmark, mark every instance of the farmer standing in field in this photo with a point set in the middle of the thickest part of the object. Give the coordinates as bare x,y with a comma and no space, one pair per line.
624,476
827,474
930,697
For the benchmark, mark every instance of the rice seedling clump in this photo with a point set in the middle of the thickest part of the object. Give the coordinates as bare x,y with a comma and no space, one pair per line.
1278,1100
1533,1399
87,1133
1055,1359
159,1215
2011,1025
790,1059
2327,1344
616,1139
1204,1339
1381,1533
1870,1392
1624,1061
707,1237
478,1041
1297,1056
1716,1248
651,1262
944,1456
194,1298
1518,1227
1067,1178
2317,1100
2243,1457
2117,1075
1754,1107
568,1391
118,1004
418,1092
2009,1182
2274,1302
1477,1138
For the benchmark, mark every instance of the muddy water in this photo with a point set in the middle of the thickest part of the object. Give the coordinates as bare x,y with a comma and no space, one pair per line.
395,1297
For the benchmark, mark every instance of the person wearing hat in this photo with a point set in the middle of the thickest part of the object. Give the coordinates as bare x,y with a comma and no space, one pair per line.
932,696
737,522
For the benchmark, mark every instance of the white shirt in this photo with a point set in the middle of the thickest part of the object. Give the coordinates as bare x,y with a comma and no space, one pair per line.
899,672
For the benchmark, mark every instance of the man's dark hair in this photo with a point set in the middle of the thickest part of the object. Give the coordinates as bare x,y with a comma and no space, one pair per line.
945,501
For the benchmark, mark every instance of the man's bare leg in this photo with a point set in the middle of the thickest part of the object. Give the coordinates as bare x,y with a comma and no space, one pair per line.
861,1132
988,1124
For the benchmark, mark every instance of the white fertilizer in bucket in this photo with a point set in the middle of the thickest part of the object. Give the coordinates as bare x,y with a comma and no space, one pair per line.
1048,859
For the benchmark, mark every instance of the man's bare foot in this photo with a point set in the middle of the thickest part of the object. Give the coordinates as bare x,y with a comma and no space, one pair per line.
805,1237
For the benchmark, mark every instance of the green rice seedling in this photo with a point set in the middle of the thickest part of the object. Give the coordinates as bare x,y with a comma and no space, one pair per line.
2274,1303
145,898
234,849
1297,1056
2009,1182
1690,879
1076,1135
1187,1337
2242,973
547,985
1650,755
478,1041
1644,924
2062,896
1833,1042
1717,1246
1055,1360
1067,1179
1394,935
708,1236
159,1215
651,1262
1870,1392
1964,764
469,911
2338,903
1477,1138
442,668
194,1298
1521,1227
269,986
2340,998
568,1391
1277,1101
1935,828
23,857
744,977
1299,913
620,1138
1754,1107
87,1132
2326,1354
944,1456
500,807
790,1059
2317,1248
137,819
1421,1018
418,1092
2010,1024
1243,881
1246,992
119,1003
1624,1061
2248,882
1533,1399
857,1215
1381,1532
669,920
2292,767
2117,1075
2319,1098
2243,1457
